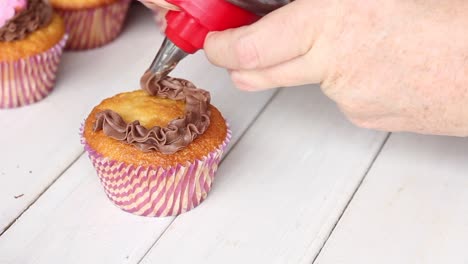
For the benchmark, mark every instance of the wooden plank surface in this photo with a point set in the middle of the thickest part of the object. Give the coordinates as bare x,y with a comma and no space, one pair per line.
73,222
411,208
290,206
280,190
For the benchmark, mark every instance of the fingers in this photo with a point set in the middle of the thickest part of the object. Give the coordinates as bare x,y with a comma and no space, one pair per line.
155,4
282,35
299,71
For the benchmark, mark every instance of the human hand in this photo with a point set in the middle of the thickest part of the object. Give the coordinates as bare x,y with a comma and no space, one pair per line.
157,4
159,8
389,65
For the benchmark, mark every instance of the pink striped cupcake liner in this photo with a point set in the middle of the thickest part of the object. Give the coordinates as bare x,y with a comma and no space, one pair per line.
156,191
26,81
94,27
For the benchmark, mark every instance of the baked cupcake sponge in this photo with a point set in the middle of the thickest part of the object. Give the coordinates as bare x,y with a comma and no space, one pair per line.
151,111
152,183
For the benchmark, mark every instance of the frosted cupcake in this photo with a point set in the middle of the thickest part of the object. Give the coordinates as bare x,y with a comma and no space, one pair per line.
156,151
32,38
92,23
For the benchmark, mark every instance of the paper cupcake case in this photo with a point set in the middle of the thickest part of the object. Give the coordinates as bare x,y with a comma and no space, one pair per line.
156,191
26,81
94,27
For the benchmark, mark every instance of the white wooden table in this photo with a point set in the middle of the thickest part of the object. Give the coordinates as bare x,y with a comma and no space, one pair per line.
299,183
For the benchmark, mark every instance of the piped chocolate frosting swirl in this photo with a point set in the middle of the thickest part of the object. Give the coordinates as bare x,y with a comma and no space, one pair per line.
37,15
178,134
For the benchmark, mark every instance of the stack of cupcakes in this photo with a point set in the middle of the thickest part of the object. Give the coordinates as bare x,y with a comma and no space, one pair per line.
32,38
156,151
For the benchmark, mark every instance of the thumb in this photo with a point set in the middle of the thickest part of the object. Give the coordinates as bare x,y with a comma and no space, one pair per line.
282,35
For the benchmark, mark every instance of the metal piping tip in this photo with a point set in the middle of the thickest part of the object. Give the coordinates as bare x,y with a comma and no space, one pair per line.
167,58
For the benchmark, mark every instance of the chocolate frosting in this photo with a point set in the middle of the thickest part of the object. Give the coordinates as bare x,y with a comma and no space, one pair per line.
36,15
178,134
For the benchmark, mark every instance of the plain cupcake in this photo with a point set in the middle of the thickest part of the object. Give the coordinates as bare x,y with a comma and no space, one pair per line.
32,38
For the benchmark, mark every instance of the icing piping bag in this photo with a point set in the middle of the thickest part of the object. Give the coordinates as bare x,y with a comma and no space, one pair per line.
187,29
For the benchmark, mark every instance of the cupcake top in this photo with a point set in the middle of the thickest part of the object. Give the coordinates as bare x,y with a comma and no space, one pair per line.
151,111
18,18
178,134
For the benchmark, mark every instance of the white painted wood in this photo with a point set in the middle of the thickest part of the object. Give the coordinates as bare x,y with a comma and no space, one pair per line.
74,222
280,191
39,142
412,207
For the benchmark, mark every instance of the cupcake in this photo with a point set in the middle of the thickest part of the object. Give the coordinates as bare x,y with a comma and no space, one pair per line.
91,23
156,150
32,38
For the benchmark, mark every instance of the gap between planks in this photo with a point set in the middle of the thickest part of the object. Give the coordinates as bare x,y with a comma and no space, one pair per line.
82,153
41,193
275,94
371,164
